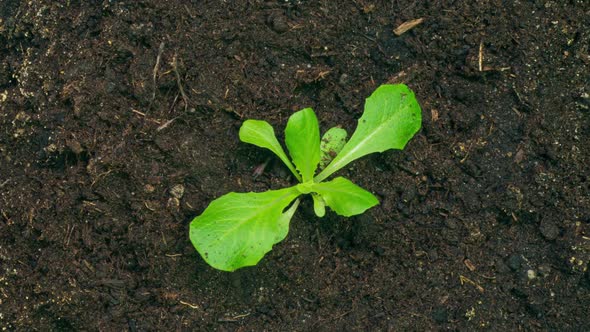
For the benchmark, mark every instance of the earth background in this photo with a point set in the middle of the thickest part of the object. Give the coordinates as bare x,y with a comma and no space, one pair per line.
119,124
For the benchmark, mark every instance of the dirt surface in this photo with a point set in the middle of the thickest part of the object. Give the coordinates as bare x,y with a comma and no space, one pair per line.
119,124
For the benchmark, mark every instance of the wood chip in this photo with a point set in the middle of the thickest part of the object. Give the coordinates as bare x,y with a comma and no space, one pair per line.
469,264
404,27
434,115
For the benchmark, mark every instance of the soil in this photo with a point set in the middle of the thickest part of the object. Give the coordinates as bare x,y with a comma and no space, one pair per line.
106,106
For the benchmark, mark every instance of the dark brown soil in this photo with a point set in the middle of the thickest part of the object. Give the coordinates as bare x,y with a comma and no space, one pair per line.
484,221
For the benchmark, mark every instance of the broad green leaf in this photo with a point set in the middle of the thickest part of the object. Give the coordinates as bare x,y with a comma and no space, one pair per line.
284,221
261,133
391,117
319,206
331,144
344,197
302,136
238,229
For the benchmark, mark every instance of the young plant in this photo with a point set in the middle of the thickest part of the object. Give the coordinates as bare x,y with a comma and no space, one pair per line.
238,229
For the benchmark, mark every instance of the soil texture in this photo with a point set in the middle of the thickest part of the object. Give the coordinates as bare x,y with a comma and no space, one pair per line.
119,124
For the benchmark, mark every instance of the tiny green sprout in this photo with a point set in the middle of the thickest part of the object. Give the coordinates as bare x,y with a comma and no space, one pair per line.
238,229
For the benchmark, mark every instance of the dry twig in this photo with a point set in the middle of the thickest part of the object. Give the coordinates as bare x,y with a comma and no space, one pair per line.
175,67
404,27
155,73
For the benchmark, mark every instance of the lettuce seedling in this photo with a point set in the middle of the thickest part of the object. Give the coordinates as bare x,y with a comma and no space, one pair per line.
238,229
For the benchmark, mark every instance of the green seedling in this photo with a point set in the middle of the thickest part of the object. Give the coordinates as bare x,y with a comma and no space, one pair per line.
238,229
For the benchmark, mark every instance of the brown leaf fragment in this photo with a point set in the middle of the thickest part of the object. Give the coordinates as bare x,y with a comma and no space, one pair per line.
407,25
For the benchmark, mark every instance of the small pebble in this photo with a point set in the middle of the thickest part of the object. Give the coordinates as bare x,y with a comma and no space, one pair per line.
433,255
279,23
549,230
75,146
514,262
531,274
343,79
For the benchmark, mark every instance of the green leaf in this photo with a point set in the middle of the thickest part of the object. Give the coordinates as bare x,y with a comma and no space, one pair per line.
391,117
284,221
302,136
344,197
261,133
319,206
331,144
238,229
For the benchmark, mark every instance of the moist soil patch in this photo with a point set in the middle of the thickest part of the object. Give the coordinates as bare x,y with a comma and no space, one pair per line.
119,124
